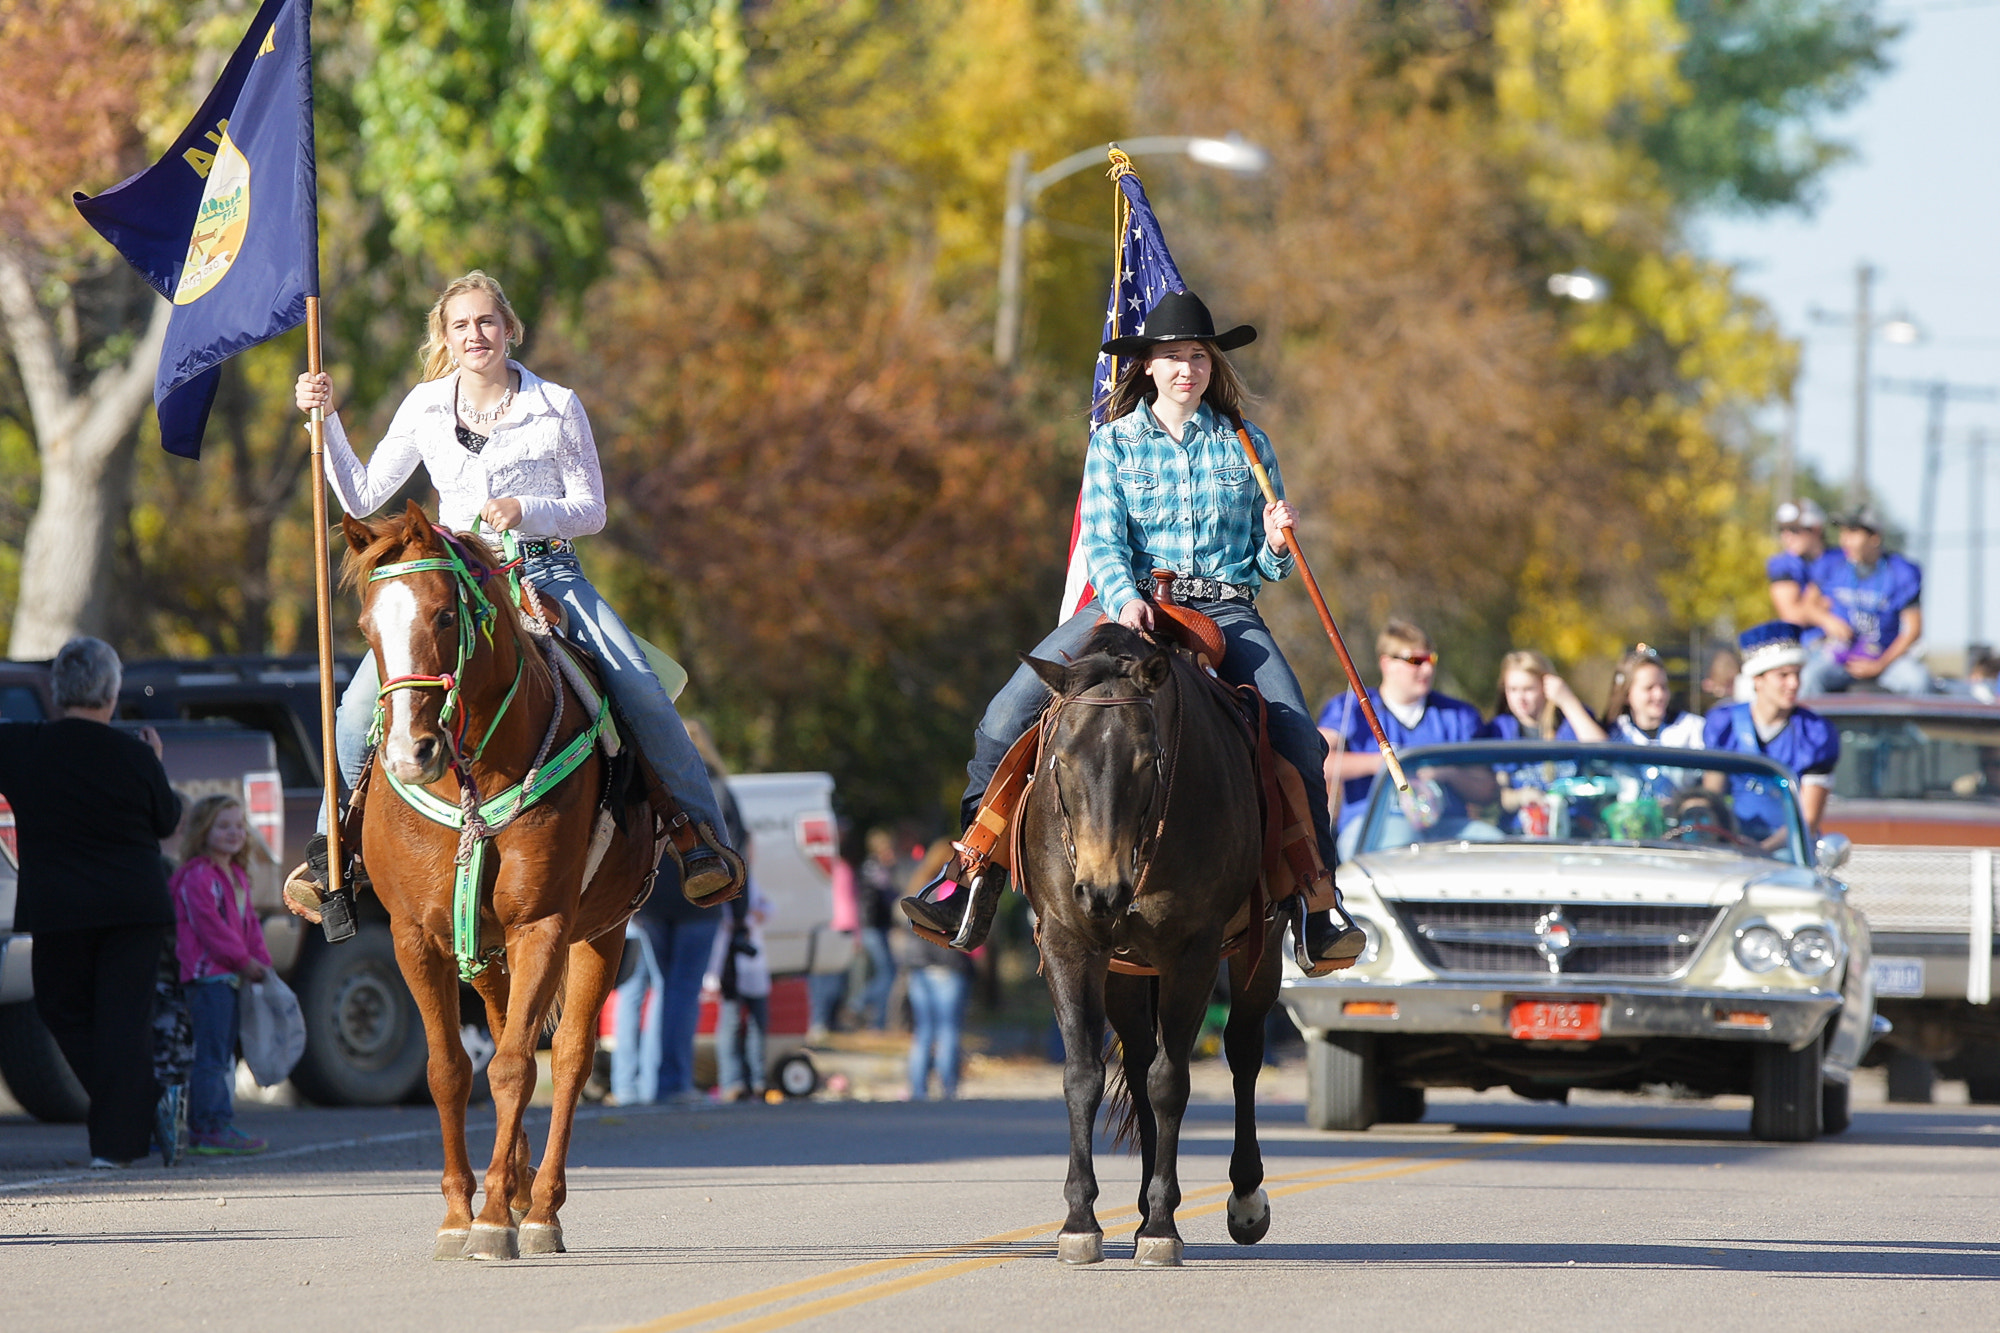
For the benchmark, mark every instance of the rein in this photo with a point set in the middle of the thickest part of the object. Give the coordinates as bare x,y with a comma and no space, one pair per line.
479,821
1166,764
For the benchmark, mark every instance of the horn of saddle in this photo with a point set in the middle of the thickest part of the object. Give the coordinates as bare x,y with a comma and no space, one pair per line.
1189,627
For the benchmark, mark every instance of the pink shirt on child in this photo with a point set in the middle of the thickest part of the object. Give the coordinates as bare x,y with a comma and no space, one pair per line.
215,931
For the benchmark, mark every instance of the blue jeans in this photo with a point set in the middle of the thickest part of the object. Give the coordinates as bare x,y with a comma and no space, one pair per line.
211,1090
881,978
1251,658
739,1043
938,997
643,704
635,1060
683,955
827,990
1823,675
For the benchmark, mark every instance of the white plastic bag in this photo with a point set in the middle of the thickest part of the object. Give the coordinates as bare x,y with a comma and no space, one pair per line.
272,1030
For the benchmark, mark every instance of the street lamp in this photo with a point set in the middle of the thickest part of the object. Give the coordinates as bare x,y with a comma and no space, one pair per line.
1897,328
1582,285
1232,154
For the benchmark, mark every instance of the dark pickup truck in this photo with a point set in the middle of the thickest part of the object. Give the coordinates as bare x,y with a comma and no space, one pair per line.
364,1036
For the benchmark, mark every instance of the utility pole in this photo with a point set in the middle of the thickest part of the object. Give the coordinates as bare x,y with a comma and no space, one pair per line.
1864,338
1007,323
1975,543
1939,393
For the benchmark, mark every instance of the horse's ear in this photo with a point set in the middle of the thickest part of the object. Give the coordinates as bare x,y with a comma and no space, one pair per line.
417,528
359,535
1053,674
1151,673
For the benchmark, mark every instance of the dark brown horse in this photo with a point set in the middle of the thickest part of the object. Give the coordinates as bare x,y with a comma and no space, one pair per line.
558,885
1142,835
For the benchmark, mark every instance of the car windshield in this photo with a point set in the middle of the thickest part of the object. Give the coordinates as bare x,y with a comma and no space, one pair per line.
1577,794
1919,759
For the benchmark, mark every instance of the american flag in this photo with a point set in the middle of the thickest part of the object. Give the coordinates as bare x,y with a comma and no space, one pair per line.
1145,274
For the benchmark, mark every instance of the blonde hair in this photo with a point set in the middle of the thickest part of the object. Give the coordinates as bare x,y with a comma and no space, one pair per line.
1399,633
202,819
436,355
1527,659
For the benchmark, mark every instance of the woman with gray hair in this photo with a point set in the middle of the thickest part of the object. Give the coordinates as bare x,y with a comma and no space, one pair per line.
91,805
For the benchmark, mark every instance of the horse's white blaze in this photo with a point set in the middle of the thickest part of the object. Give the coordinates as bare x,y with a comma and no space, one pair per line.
393,614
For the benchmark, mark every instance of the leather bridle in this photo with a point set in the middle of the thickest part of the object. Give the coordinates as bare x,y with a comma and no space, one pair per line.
1166,763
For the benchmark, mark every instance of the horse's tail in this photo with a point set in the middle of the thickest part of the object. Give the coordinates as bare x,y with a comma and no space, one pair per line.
1121,1114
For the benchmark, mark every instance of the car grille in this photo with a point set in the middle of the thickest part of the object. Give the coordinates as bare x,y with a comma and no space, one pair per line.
1563,939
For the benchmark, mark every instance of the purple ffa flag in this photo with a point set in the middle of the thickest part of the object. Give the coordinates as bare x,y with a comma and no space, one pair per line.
226,224
1146,272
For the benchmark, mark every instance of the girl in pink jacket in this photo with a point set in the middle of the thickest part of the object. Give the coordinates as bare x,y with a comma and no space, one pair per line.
220,943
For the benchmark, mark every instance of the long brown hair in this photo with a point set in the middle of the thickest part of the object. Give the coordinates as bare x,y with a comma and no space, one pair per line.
1526,659
436,355
1620,702
194,842
1225,393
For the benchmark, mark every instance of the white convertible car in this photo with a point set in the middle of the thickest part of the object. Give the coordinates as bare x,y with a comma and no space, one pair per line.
1544,917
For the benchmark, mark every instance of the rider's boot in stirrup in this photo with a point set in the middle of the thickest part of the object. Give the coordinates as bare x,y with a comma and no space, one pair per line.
958,913
1324,942
306,886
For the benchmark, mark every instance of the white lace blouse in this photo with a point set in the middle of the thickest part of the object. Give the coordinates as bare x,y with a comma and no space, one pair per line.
542,453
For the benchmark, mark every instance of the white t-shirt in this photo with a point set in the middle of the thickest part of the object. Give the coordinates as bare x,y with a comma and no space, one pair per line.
1681,733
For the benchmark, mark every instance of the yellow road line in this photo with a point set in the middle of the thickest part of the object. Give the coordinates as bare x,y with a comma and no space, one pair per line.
1297,1182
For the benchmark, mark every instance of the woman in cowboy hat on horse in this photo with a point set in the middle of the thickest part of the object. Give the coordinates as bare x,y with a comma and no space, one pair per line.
1166,486
510,449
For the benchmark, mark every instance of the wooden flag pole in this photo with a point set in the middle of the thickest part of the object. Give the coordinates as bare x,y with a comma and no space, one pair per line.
323,595
1325,616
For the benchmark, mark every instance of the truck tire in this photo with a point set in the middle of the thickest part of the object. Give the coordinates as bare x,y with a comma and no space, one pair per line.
1785,1094
364,1035
36,1073
1342,1084
1981,1062
1912,1079
1834,1117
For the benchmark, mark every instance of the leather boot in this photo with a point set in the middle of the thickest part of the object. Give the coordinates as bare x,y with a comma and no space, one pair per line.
1325,942
948,920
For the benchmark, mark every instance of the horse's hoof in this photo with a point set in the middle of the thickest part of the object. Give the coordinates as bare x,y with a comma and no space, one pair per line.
1080,1247
1249,1219
541,1238
490,1242
450,1244
1158,1252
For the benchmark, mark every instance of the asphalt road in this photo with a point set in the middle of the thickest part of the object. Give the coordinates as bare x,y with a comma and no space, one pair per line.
1492,1214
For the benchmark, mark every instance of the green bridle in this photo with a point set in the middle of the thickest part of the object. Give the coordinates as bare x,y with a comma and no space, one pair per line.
477,821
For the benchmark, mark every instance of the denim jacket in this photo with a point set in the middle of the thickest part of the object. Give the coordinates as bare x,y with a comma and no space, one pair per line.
1190,505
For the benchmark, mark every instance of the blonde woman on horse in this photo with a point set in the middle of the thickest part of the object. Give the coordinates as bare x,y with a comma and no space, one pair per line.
506,447
1166,486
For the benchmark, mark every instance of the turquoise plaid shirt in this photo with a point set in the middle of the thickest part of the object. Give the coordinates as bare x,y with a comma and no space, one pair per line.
1193,506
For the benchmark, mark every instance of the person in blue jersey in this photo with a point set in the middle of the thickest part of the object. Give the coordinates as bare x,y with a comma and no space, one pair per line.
1872,614
1641,708
1412,713
1773,724
1165,486
1536,704
1801,544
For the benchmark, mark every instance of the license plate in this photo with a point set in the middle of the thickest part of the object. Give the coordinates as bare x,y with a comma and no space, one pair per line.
1552,1020
1898,977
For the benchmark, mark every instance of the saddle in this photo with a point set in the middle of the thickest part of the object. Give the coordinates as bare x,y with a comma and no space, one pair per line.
1292,866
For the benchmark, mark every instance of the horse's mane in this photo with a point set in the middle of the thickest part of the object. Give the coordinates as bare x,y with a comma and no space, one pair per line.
1108,653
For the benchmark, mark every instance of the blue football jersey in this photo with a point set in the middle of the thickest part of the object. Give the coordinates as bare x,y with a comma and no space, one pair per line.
1808,744
1873,603
1445,719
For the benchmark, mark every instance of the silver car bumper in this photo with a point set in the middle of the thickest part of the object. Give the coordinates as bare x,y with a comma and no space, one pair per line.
1791,1017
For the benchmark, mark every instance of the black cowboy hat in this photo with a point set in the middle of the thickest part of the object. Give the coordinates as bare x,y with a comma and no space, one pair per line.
1177,317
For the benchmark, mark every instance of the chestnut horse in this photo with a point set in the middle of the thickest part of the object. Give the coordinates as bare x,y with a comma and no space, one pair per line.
1142,836
468,690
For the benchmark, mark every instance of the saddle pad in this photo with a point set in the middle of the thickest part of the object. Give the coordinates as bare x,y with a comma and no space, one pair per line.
673,676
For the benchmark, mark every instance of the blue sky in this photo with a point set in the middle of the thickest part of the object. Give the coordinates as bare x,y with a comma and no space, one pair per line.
1921,203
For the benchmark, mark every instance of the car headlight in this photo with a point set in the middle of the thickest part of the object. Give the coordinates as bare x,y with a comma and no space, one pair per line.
1813,951
1373,933
1760,948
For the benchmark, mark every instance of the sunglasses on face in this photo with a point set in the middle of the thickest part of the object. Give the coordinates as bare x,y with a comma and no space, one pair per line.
1415,659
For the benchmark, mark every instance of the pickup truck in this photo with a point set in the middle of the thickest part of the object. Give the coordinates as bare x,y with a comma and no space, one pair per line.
1917,790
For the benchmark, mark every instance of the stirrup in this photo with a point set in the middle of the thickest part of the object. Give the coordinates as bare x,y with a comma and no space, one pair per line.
306,888
1348,943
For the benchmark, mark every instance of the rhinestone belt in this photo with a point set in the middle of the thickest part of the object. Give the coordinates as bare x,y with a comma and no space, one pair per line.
1212,590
